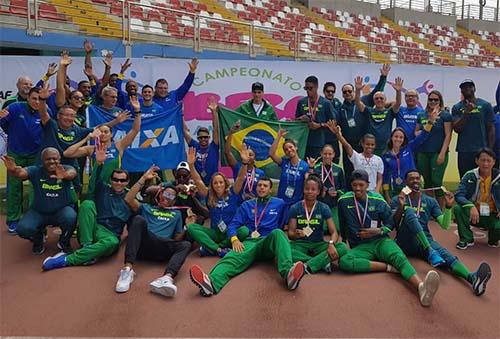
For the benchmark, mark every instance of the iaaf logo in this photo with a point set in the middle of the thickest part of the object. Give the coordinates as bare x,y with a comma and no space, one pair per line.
152,138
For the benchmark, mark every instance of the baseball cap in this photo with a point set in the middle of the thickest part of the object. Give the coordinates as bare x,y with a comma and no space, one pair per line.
203,131
467,82
360,175
183,165
257,86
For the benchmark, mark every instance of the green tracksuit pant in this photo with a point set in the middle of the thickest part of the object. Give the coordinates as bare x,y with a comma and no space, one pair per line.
462,216
15,187
314,254
97,240
274,245
212,239
381,249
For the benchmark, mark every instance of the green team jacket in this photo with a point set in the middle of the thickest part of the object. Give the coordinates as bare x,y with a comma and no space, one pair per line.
267,112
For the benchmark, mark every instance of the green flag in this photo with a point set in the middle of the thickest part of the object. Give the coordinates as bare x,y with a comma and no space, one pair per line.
259,134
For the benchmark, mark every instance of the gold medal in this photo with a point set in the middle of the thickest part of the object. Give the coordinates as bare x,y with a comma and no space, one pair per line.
255,235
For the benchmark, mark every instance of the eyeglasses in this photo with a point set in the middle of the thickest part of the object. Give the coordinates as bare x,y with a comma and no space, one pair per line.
119,180
307,88
333,92
203,137
347,91
378,98
411,96
433,99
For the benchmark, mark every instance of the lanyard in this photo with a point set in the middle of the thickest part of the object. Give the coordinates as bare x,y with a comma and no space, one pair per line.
419,204
353,113
259,219
361,222
309,215
367,160
221,204
329,175
259,108
296,169
250,180
312,112
398,164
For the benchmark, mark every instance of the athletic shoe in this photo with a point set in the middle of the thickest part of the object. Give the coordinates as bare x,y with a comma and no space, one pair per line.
90,262
37,248
12,227
295,275
56,261
205,252
200,279
493,244
435,258
462,245
328,268
164,286
223,251
428,288
126,278
480,278
66,248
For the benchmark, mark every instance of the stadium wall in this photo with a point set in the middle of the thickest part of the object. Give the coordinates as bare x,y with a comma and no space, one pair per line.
354,7
430,18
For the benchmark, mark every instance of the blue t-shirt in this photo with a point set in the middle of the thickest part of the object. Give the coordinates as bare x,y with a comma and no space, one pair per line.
22,125
163,223
249,188
50,195
149,111
429,208
53,136
207,160
324,112
320,215
222,214
173,97
380,125
474,134
291,187
436,136
407,119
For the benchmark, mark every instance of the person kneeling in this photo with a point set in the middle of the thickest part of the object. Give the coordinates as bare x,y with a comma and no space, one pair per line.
155,234
53,199
264,218
101,221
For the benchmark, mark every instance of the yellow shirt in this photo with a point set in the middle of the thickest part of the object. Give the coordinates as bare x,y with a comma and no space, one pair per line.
484,193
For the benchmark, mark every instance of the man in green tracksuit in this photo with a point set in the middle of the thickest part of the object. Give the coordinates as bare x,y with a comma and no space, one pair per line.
258,107
101,221
478,200
367,221
264,218
305,228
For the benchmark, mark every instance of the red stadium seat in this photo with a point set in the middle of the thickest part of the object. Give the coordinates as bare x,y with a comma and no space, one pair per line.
48,11
18,7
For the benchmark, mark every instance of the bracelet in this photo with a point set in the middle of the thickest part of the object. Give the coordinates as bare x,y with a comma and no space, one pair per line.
234,238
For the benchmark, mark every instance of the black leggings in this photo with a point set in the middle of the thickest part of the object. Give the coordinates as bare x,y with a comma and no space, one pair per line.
142,244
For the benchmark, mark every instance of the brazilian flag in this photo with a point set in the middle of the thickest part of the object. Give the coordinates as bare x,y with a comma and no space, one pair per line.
259,134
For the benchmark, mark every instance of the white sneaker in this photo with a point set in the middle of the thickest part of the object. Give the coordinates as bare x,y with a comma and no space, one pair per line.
164,286
126,277
428,288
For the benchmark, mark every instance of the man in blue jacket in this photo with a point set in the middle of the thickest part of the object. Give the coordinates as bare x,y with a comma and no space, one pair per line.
478,200
264,218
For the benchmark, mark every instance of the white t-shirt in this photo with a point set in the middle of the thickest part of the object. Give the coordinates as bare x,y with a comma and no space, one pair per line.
372,165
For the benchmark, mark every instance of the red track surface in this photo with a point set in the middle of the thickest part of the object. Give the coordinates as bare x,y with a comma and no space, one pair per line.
80,301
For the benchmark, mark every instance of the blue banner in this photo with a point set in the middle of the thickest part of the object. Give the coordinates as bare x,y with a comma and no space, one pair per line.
160,141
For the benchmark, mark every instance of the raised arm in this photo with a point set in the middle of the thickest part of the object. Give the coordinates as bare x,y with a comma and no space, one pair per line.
200,185
231,160
240,179
88,47
51,70
126,141
61,78
398,86
121,117
42,110
108,60
78,150
130,197
187,134
332,125
186,85
358,85
379,87
13,169
212,105
274,147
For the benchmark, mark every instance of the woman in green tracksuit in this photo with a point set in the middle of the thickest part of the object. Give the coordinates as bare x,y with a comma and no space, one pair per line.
305,229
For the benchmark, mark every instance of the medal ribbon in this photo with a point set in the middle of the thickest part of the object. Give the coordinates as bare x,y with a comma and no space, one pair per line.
312,112
259,219
309,215
361,222
250,180
419,204
329,175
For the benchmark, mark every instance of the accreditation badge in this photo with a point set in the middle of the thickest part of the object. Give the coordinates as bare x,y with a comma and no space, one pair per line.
351,123
289,191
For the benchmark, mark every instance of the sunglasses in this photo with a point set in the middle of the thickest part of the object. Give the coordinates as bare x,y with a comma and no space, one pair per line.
203,137
433,99
347,91
119,180
330,92
307,88
378,98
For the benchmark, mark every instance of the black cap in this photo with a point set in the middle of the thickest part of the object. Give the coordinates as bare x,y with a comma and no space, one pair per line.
257,86
203,131
360,175
467,82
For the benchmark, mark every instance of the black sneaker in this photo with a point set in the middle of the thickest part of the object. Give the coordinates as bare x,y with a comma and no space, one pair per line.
481,277
38,248
66,248
462,245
